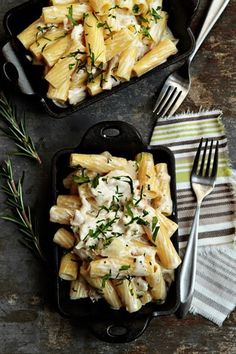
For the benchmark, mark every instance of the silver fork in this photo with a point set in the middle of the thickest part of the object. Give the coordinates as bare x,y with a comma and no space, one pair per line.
203,177
177,85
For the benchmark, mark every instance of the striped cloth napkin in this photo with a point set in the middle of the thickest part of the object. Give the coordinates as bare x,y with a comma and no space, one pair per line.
215,287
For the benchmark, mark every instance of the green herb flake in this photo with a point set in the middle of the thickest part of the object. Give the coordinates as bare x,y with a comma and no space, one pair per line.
95,181
145,32
70,16
105,278
124,267
135,9
143,19
155,228
155,14
71,66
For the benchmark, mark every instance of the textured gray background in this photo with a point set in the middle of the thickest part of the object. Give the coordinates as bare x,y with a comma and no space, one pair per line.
29,323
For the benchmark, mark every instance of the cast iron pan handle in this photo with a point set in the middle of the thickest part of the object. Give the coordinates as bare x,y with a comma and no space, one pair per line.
13,71
120,331
112,136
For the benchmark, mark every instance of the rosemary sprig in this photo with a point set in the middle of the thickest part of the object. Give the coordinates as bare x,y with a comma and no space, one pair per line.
21,214
16,130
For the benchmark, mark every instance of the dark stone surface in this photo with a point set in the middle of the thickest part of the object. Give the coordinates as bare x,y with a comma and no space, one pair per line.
29,323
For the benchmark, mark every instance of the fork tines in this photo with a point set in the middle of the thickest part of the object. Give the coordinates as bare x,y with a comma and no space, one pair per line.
204,167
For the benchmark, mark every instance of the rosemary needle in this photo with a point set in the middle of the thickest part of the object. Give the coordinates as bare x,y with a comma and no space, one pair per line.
21,215
16,130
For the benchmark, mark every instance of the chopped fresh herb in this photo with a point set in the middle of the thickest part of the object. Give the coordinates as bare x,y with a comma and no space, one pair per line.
140,221
74,54
155,14
108,241
143,19
128,180
105,278
135,9
114,7
102,228
62,36
141,197
91,55
145,31
95,181
124,267
83,178
154,222
42,30
85,15
70,16
71,66
104,25
114,78
42,49
155,228
102,80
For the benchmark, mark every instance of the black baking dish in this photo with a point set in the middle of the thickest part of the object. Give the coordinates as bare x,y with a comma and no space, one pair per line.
29,78
120,139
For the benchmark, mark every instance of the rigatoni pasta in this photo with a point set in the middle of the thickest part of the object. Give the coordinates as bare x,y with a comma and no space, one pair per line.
120,241
110,41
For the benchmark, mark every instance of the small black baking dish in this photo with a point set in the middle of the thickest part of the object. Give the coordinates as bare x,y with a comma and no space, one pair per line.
120,139
17,67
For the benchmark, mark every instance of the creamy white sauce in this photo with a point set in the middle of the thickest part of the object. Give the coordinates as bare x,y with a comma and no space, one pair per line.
76,95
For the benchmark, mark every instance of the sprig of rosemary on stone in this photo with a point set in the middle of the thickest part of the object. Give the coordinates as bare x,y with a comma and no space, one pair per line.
16,130
21,214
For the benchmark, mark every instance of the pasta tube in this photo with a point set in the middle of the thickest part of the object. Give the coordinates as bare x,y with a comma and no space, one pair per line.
57,14
101,6
69,201
156,56
118,268
128,295
166,252
79,289
163,202
39,46
166,225
95,86
31,33
64,238
157,284
98,163
94,39
61,71
126,62
60,93
56,50
158,27
118,43
68,267
147,175
61,215
104,286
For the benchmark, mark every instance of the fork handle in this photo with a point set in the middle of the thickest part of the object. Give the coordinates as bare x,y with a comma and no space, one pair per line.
188,269
216,9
